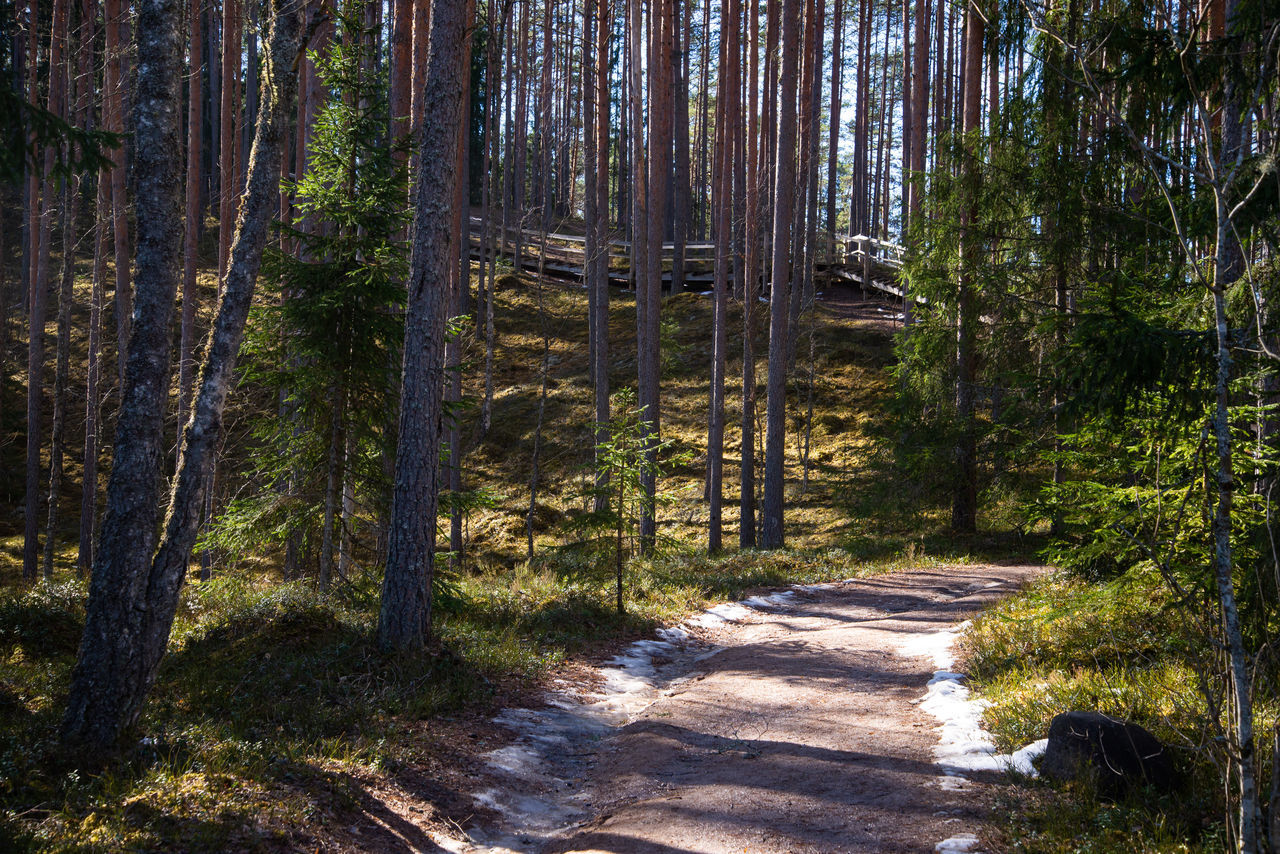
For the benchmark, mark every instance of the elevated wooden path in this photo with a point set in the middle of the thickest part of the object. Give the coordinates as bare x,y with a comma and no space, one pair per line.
869,263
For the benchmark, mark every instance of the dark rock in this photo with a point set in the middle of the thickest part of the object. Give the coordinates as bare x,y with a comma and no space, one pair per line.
1121,754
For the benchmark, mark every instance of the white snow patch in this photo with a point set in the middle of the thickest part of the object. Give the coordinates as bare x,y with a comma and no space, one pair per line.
963,745
728,612
1020,760
962,844
771,600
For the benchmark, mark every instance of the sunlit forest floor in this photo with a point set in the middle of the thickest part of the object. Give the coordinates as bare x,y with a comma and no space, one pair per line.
276,724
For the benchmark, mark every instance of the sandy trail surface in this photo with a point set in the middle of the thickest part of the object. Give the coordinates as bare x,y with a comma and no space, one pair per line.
794,727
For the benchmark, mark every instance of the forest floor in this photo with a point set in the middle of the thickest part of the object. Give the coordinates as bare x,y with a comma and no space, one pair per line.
276,726
793,725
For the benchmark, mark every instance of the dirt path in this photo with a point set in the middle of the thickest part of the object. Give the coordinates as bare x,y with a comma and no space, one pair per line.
800,733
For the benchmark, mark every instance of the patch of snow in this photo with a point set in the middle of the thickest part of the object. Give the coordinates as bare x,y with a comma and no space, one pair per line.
1020,760
962,844
729,612
771,600
963,745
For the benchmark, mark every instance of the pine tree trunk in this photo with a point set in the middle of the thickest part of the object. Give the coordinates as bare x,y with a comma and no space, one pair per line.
1228,268
810,185
39,299
228,191
726,123
681,190
70,217
600,284
650,288
964,510
596,206
751,265
111,676
335,475
401,61
860,189
93,396
115,78
784,194
404,622
191,240
837,99
133,597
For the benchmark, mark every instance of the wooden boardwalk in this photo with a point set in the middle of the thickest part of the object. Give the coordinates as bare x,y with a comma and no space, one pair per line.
869,263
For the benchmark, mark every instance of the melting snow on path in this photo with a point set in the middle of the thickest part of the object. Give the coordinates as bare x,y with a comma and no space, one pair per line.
538,795
963,744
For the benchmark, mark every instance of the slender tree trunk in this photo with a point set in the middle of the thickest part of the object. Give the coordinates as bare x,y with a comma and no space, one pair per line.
784,194
908,114
726,124
421,46
461,294
39,299
1228,267
810,185
600,285
640,197
837,102
70,216
704,138
751,266
595,119
860,189
400,76
919,125
227,189
964,509
681,190
490,237
346,525
658,163
191,240
404,622
335,475
115,77
93,396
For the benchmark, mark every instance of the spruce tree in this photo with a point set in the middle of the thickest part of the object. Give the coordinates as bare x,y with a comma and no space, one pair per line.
328,329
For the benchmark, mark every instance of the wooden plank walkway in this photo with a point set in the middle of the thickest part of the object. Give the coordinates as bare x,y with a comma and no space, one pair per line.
869,263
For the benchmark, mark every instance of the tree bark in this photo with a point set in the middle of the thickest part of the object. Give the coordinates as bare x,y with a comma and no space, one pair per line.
115,77
964,510
784,195
726,124
38,299
93,396
837,102
191,240
751,279
681,190
659,152
404,622
228,191
109,680
133,596
70,215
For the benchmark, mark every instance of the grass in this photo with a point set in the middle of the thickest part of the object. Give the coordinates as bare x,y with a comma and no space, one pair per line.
1125,648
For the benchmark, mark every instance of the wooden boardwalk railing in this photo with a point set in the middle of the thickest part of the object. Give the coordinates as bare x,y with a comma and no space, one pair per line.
862,260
